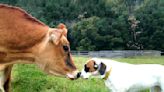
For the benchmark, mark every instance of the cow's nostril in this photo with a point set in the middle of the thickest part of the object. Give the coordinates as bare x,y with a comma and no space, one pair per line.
78,74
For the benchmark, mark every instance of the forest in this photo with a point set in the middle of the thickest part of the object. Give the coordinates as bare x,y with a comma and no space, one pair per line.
103,24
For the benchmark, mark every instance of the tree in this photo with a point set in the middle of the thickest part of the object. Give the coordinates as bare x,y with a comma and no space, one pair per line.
103,24
96,34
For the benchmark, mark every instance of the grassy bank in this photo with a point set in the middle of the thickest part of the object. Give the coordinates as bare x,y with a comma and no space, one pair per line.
28,78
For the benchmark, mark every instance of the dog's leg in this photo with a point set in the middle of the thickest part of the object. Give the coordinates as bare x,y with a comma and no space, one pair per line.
162,87
155,89
120,90
112,90
162,84
152,89
110,86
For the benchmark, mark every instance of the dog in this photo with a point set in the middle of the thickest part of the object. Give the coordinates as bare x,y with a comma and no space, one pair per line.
124,77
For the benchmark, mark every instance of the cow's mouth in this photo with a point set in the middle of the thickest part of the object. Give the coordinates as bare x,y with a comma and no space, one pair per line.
73,76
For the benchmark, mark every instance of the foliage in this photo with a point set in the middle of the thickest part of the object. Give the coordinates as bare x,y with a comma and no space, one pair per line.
102,24
151,25
96,34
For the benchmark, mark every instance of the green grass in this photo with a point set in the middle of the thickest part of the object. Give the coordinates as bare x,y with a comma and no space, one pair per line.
28,78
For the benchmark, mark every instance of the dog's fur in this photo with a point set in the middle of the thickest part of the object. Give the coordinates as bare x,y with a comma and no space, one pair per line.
126,77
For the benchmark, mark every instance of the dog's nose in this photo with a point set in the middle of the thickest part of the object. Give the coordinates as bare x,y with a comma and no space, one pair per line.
78,74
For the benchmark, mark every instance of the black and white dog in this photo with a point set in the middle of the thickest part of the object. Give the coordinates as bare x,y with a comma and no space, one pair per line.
124,77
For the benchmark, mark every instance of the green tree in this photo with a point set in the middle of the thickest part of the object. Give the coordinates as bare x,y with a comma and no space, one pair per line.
96,34
102,24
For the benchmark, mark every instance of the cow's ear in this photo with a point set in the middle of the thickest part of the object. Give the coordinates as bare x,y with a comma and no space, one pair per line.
55,35
64,28
102,68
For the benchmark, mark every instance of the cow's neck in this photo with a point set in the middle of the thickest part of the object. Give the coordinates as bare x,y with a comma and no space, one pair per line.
16,57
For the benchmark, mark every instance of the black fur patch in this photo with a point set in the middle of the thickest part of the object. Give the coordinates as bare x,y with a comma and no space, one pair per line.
79,74
102,69
86,69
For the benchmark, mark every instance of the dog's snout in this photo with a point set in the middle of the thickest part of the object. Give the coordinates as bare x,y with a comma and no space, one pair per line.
78,74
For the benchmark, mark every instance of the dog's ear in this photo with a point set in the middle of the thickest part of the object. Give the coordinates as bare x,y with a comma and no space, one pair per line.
102,68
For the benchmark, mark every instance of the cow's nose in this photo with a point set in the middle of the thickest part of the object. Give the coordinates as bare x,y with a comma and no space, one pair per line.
73,75
78,74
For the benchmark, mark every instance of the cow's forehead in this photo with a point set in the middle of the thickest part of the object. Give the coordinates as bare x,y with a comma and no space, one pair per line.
64,41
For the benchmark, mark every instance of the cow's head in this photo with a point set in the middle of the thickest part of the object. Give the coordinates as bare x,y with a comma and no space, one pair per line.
56,58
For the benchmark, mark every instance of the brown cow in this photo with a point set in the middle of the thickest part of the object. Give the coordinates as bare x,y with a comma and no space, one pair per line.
24,39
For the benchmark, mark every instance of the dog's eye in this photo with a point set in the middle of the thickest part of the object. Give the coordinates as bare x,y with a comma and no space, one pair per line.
95,66
66,48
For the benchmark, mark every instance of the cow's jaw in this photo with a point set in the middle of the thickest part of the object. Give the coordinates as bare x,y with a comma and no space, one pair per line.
56,74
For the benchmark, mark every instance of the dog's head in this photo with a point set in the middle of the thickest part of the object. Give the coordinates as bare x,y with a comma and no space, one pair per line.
93,67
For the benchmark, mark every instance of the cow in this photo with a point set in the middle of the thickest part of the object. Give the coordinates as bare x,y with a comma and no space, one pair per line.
24,39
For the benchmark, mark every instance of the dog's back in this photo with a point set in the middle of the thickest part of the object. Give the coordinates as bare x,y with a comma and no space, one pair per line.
136,76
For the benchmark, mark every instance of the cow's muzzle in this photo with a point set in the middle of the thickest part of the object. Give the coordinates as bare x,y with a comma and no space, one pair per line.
73,75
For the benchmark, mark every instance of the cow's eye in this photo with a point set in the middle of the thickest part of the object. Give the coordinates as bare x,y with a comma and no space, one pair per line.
66,48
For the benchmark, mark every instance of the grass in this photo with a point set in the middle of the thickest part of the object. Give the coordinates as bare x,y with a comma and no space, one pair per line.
28,78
